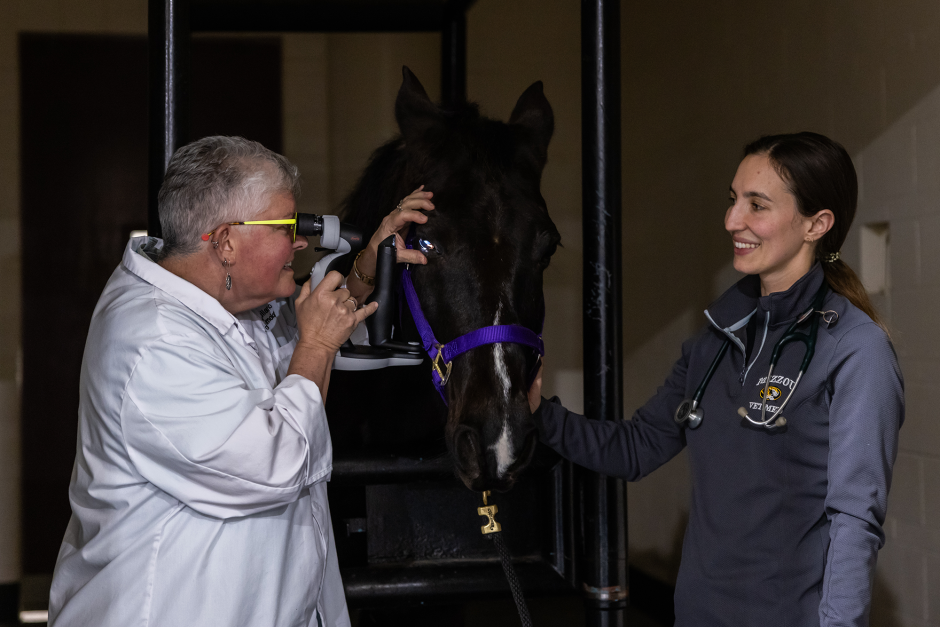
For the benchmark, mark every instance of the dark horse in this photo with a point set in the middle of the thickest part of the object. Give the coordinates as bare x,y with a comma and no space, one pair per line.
493,239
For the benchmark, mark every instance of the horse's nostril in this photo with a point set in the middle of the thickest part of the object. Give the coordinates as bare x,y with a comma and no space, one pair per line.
466,436
467,450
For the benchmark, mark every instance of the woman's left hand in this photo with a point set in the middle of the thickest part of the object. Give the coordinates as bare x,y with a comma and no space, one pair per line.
397,222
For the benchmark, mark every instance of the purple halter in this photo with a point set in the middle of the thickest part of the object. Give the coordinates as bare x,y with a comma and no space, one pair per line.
442,355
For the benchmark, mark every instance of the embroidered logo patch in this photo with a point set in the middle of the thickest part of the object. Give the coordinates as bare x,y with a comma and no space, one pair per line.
773,393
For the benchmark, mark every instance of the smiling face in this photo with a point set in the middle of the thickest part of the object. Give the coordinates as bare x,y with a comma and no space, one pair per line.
771,238
262,269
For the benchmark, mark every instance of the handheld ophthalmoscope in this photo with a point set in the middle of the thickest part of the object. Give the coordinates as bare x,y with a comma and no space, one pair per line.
370,346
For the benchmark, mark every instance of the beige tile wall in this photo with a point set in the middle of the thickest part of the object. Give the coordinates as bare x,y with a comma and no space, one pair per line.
900,173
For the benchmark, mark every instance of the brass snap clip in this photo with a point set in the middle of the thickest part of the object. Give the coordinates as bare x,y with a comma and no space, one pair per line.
489,511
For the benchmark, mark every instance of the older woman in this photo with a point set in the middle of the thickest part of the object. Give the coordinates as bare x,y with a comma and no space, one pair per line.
199,487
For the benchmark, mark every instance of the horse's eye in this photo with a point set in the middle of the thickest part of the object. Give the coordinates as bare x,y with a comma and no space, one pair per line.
545,245
427,247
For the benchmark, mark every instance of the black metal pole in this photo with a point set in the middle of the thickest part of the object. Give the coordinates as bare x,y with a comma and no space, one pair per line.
168,35
454,53
604,571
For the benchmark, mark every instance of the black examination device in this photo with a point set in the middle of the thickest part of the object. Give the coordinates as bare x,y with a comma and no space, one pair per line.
380,323
344,241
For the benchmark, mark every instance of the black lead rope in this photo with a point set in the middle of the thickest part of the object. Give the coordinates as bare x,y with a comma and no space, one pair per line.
492,531
514,584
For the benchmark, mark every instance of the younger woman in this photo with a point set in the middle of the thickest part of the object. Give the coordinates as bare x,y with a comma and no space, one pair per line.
790,472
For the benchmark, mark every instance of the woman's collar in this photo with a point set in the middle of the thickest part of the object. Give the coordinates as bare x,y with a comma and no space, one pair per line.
743,298
789,304
139,259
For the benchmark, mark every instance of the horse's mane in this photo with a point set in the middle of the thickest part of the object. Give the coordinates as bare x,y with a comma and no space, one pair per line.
377,191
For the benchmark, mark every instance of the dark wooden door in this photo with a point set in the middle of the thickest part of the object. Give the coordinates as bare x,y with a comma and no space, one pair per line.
84,188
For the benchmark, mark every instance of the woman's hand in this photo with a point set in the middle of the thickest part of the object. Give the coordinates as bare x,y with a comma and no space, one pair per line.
397,223
327,315
535,391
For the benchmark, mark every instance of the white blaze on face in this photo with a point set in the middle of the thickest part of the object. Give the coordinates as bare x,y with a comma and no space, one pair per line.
503,450
503,446
501,371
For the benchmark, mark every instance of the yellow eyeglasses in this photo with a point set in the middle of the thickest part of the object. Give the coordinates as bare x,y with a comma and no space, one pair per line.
291,221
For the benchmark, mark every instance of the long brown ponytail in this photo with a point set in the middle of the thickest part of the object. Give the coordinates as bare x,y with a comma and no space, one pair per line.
819,173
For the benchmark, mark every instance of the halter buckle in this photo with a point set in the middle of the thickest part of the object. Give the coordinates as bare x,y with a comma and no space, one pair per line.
444,374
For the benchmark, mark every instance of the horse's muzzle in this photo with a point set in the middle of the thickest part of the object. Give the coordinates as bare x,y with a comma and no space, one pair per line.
492,466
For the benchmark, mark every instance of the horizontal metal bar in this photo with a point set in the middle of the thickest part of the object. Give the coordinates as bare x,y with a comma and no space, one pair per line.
429,583
385,470
315,17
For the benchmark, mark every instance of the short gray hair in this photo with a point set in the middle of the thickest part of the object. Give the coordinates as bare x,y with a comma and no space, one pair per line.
218,179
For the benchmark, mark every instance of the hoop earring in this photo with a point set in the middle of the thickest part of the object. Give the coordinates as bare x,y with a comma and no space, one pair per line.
228,277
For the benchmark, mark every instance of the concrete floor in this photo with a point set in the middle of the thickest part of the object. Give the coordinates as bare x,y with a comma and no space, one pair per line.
545,612
564,612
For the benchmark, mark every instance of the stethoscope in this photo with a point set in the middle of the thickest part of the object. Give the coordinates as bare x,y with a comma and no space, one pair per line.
690,411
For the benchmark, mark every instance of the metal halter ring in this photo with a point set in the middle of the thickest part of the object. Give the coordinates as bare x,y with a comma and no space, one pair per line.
444,375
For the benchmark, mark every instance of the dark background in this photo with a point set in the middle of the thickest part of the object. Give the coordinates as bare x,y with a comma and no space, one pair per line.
84,189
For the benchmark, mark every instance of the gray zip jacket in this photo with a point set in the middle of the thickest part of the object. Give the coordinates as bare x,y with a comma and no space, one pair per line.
785,524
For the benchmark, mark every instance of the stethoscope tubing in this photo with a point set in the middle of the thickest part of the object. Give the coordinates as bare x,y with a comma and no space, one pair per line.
809,339
776,419
700,391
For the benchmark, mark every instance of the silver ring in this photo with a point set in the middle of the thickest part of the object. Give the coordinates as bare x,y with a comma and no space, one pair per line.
354,302
400,203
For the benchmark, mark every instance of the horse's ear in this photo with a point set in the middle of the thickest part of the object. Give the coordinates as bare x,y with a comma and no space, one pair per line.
533,112
414,111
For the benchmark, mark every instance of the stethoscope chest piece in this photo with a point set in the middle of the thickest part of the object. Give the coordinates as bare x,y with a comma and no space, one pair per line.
689,413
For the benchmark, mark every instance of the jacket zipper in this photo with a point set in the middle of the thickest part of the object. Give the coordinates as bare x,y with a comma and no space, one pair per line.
759,350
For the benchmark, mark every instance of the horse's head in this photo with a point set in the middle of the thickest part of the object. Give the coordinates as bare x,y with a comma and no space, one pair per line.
489,240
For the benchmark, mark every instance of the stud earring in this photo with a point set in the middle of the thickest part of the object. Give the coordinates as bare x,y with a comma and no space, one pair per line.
228,277
215,244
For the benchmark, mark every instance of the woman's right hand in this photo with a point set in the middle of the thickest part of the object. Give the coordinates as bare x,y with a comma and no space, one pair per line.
327,315
535,390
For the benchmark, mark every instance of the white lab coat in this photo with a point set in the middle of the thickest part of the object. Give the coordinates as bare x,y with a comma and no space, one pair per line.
199,487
